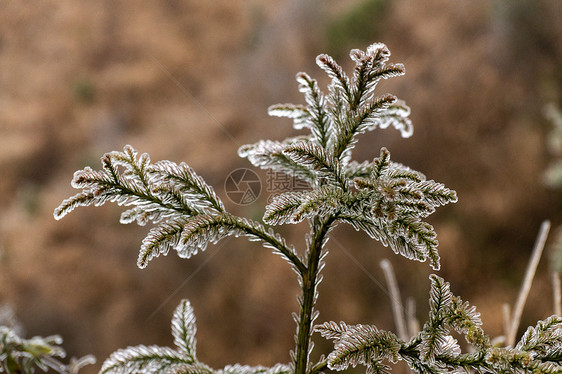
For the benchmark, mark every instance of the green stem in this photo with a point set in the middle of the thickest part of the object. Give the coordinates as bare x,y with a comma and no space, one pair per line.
309,281
319,367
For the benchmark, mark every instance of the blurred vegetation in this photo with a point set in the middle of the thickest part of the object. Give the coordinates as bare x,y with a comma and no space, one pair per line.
355,27
84,90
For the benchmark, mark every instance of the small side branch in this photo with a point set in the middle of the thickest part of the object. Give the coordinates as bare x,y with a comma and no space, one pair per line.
274,241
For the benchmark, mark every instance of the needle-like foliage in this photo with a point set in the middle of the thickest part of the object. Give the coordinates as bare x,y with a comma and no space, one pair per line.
385,199
435,350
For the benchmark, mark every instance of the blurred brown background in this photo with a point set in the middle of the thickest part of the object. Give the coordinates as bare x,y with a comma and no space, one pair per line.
191,81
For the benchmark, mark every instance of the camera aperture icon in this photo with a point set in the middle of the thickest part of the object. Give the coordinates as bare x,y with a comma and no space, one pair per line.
242,186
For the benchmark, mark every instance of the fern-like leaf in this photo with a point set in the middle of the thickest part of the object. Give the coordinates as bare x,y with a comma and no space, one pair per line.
340,81
157,191
197,368
434,334
161,239
356,123
283,208
465,320
319,120
294,207
154,359
203,229
187,183
377,367
360,344
332,330
544,340
143,359
392,201
183,330
313,157
298,113
244,369
267,154
415,237
395,115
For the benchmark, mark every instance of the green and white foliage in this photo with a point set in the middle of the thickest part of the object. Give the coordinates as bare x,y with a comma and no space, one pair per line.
179,360
23,356
187,212
385,199
435,350
154,359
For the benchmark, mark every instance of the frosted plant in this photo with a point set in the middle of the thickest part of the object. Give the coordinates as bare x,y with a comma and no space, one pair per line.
22,356
154,359
385,199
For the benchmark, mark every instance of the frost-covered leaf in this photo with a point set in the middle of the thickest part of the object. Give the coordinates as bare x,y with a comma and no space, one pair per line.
377,367
391,205
244,369
415,237
154,359
440,298
318,119
340,81
435,334
298,113
544,340
197,368
356,123
436,194
187,235
183,330
315,158
464,319
161,239
294,207
421,367
20,355
203,229
332,330
363,344
157,191
396,115
143,359
182,179
268,154
283,207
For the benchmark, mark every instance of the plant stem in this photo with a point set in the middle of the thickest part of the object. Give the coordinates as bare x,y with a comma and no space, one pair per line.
309,282
526,286
395,298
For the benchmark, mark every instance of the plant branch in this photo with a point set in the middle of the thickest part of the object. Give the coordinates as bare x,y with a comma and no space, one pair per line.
319,367
309,282
274,241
